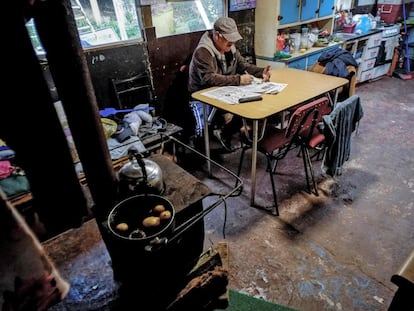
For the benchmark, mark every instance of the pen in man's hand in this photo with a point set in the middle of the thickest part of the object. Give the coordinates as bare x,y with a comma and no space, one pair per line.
246,78
254,79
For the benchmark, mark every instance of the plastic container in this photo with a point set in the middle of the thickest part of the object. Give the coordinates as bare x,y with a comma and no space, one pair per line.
349,28
315,32
304,39
280,43
296,40
391,13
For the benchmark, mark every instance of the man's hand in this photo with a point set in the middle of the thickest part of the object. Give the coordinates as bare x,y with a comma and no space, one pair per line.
266,73
246,79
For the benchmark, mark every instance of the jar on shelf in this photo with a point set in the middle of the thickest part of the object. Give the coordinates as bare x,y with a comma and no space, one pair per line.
304,39
295,37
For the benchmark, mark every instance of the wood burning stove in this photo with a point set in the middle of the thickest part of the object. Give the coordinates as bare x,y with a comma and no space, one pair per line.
154,276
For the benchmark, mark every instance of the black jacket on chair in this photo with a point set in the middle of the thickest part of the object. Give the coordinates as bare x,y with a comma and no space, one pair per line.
335,62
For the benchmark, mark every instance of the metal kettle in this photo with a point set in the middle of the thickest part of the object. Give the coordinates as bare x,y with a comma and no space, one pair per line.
140,175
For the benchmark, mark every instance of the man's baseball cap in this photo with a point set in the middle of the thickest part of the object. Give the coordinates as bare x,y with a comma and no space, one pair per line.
228,28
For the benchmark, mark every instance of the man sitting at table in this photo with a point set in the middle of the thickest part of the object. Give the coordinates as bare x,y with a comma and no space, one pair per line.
217,62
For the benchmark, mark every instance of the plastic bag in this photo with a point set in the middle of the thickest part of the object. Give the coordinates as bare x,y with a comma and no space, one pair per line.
363,24
109,126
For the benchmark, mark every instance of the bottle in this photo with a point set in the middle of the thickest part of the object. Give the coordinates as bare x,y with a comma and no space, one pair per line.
286,47
280,42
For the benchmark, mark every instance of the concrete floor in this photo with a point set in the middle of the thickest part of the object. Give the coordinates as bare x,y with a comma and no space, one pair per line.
337,251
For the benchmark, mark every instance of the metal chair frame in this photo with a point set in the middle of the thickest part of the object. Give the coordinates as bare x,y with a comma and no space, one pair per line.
302,131
132,91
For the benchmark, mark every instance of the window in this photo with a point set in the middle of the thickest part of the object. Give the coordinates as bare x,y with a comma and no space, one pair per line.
177,17
100,22
105,22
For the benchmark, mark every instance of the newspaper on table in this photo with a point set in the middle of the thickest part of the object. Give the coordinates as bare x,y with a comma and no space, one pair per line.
265,87
229,94
232,94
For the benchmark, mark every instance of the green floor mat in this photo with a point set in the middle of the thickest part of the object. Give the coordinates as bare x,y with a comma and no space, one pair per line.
243,302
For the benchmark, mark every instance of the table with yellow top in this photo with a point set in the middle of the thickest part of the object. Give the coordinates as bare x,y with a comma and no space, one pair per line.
302,86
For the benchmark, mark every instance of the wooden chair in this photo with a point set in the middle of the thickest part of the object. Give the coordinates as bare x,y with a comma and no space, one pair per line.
302,132
345,91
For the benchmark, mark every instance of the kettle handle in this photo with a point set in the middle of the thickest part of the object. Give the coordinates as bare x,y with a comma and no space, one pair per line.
141,163
133,152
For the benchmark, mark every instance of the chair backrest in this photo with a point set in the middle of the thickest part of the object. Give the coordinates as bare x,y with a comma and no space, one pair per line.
304,120
302,127
132,91
176,108
345,91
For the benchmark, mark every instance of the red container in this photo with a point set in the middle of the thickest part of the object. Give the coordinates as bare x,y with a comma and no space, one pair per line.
349,28
393,13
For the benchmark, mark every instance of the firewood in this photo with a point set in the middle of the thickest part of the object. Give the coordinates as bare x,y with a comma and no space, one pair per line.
207,261
201,291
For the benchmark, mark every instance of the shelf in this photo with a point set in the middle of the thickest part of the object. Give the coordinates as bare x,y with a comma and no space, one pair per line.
268,24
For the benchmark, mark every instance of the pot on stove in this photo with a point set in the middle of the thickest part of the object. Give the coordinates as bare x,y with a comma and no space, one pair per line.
147,218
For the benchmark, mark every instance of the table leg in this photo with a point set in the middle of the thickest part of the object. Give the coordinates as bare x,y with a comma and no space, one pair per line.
336,97
334,100
206,138
254,160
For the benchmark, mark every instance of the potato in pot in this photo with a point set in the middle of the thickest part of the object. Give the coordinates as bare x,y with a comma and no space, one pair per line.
151,221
